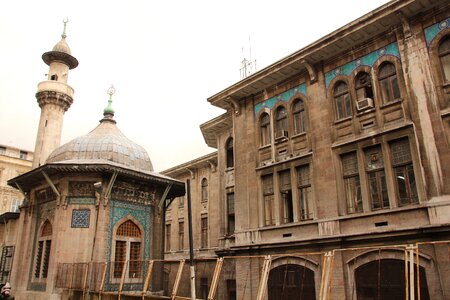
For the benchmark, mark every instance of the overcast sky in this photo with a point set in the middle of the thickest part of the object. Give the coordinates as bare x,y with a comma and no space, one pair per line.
165,58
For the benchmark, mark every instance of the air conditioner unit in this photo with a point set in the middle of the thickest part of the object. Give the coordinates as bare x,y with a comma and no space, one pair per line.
364,103
282,135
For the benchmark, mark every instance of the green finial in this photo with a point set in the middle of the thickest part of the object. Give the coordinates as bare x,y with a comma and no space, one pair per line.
108,108
65,21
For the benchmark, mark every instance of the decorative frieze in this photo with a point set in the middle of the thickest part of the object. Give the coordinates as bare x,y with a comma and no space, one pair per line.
134,193
81,189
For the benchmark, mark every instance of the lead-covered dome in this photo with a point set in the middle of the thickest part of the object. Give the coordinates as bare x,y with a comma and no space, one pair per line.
106,143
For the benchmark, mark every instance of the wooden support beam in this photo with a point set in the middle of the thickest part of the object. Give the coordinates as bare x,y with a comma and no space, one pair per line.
177,279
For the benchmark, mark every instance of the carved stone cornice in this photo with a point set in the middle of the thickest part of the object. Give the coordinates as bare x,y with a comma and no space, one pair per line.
53,97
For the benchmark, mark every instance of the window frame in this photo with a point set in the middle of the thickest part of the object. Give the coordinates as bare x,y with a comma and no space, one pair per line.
204,232
268,193
129,263
406,166
389,95
229,150
305,199
354,180
379,172
42,256
281,122
231,215
286,197
365,87
205,193
265,129
299,117
444,39
345,97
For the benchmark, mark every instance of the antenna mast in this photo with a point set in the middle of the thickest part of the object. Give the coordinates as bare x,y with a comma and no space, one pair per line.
248,66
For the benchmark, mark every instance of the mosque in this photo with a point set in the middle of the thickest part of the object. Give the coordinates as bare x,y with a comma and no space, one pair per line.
96,198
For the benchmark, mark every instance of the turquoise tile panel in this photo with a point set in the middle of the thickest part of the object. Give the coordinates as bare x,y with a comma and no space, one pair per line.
285,97
432,31
366,60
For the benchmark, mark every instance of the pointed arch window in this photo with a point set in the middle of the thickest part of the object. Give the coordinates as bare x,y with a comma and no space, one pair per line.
266,137
342,101
44,245
128,248
204,190
281,122
299,116
230,153
387,78
444,57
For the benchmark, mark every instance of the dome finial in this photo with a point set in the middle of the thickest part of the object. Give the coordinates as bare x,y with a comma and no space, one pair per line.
108,108
65,21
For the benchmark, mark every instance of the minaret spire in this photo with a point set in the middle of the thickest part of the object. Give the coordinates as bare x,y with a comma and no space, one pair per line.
65,21
54,97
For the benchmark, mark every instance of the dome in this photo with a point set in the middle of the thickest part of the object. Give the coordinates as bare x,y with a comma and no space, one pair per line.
106,143
62,46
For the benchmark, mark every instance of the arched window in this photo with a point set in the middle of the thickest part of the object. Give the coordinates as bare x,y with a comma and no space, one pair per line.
385,279
44,245
299,116
281,129
204,190
266,137
387,78
291,281
128,248
364,92
342,101
444,57
230,153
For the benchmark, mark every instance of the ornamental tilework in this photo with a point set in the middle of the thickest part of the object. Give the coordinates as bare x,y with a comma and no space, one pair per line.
81,218
367,60
285,97
121,209
432,31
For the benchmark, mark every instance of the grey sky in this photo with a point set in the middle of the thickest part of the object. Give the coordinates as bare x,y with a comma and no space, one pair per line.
163,57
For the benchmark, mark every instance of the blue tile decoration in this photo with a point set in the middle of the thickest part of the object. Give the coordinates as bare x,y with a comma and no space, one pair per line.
366,60
285,97
81,218
119,210
432,31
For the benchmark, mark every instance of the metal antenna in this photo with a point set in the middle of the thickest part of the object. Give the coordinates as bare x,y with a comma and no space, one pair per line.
248,66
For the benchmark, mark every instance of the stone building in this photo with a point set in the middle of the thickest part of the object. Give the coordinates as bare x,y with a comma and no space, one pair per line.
334,161
93,202
13,162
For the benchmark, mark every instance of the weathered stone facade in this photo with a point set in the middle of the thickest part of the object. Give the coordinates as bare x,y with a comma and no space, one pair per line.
343,145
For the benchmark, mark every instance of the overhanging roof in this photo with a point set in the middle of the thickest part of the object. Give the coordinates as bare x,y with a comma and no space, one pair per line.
32,178
376,22
211,128
201,162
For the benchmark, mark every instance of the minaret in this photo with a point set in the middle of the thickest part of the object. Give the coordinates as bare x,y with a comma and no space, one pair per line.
54,97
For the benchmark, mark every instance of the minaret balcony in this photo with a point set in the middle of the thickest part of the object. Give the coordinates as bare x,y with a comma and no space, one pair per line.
51,85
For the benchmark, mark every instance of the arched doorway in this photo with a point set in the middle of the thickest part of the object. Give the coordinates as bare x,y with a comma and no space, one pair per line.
384,279
290,281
